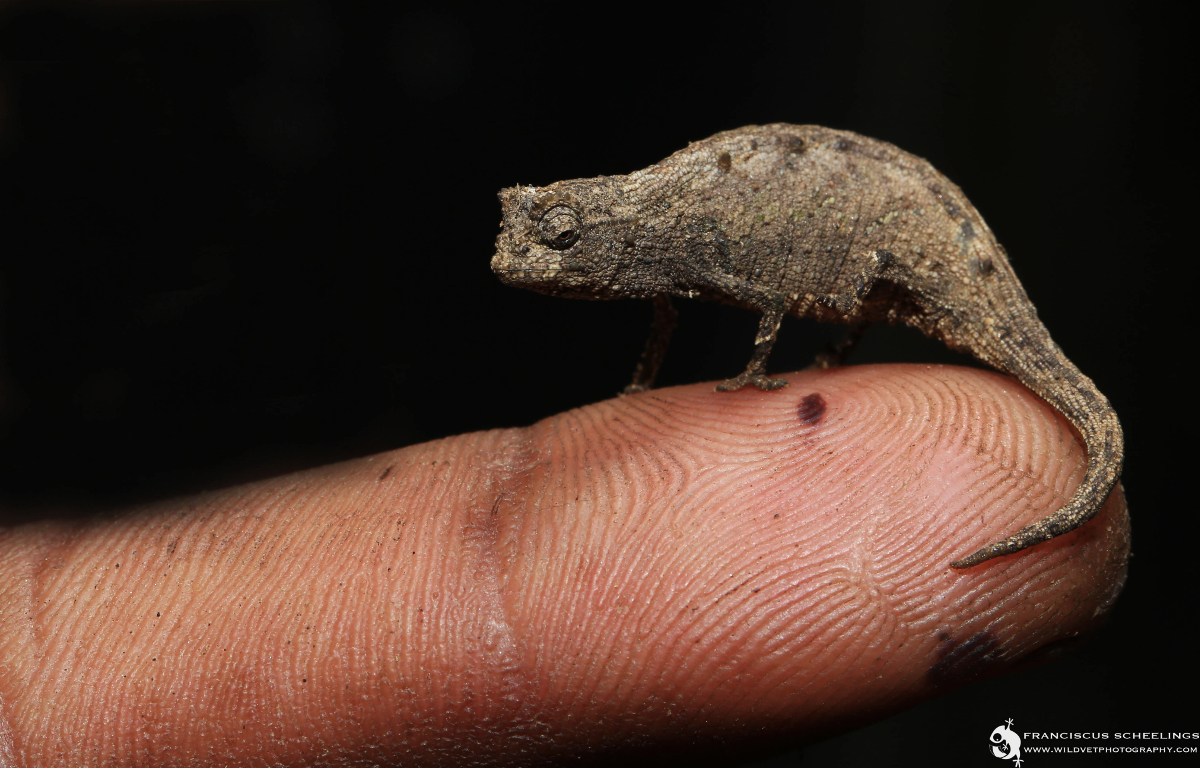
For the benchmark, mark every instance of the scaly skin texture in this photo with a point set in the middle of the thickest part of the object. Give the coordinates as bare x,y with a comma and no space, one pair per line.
813,222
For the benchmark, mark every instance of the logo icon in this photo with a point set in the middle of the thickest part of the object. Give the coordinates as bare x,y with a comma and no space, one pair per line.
1006,744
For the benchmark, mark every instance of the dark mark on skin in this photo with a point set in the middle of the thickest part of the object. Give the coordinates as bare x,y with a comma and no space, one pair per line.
960,663
386,472
812,408
981,267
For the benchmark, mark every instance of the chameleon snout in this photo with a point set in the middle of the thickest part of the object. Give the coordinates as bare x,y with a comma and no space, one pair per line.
528,267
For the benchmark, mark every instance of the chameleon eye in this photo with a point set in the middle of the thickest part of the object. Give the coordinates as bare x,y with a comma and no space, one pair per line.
560,227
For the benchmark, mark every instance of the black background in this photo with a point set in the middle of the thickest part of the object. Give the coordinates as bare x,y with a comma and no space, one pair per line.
240,239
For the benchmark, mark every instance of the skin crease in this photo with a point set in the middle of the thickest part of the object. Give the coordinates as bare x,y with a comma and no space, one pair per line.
677,567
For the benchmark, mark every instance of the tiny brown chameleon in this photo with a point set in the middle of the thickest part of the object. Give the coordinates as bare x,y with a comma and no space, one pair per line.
812,222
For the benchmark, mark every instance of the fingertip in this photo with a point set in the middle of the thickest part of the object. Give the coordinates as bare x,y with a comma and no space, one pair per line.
782,560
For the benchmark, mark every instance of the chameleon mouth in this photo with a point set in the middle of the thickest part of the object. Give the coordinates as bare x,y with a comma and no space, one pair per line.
515,269
528,274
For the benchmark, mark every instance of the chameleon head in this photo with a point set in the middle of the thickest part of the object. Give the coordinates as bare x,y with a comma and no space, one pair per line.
540,238
549,243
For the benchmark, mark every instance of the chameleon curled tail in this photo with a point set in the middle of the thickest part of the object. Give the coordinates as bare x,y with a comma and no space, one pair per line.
1036,361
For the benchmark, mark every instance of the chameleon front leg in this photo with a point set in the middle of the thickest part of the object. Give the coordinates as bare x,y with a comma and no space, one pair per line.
773,305
656,345
756,370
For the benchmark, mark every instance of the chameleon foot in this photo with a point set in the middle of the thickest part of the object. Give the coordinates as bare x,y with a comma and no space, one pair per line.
757,379
826,359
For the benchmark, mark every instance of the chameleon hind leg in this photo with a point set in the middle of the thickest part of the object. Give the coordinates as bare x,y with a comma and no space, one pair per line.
848,303
834,355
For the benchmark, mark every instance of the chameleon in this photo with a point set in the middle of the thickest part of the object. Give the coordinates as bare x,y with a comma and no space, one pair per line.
812,222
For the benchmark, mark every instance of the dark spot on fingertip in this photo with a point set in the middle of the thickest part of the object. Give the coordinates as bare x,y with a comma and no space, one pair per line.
961,662
386,472
812,409
724,162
